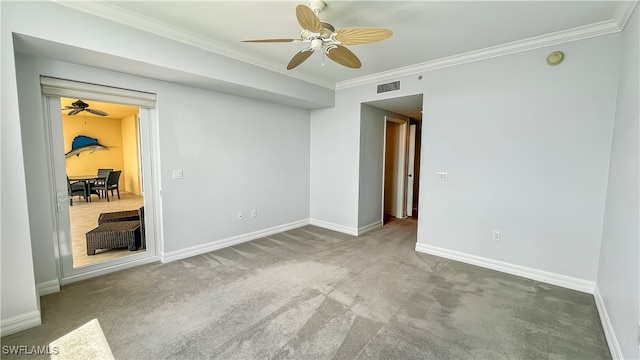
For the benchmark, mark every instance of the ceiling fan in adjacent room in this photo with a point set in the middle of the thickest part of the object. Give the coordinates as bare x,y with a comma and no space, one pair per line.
323,36
79,106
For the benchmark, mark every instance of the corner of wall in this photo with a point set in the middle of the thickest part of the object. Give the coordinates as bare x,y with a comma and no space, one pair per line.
48,287
335,227
509,268
609,333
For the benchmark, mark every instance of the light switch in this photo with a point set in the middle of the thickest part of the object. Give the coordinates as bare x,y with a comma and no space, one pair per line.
177,174
442,176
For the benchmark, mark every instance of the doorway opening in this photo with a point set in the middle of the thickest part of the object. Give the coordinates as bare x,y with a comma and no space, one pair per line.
112,163
102,175
390,149
395,169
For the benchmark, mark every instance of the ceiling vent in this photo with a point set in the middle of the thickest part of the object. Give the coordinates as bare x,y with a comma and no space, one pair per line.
392,86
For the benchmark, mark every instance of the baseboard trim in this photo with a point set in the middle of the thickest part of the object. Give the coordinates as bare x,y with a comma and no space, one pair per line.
609,334
334,227
48,287
518,270
108,270
223,243
20,322
370,227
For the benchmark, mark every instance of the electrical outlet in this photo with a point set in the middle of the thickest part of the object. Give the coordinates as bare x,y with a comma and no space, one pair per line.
254,213
239,215
177,174
330,206
496,235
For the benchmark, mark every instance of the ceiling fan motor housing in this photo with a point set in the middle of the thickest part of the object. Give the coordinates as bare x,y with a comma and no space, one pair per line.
316,44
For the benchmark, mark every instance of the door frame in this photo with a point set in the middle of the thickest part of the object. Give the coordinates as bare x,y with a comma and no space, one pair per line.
401,159
411,176
150,164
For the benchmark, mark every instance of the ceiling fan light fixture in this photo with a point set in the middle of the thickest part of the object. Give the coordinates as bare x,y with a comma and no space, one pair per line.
316,44
323,36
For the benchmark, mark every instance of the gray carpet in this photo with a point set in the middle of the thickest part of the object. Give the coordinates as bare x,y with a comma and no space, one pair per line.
312,293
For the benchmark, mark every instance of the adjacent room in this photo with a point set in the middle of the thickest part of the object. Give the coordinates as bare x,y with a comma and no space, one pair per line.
102,162
317,180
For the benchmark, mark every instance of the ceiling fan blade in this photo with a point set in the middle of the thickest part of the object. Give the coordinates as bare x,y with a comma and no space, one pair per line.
73,112
271,40
343,56
97,112
299,58
69,107
361,35
307,19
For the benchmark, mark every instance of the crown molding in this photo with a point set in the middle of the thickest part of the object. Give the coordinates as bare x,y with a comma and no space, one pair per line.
114,13
559,37
623,13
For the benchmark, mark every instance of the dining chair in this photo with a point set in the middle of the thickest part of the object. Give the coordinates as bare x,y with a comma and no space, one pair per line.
110,184
103,173
77,188
102,177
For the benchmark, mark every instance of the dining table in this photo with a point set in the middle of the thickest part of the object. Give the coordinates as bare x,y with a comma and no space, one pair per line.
87,180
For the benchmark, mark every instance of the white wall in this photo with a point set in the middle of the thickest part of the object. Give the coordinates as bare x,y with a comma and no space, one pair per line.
526,147
372,125
334,165
619,270
237,155
18,292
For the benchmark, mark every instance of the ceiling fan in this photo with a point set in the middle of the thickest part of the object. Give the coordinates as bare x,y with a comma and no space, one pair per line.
79,106
323,36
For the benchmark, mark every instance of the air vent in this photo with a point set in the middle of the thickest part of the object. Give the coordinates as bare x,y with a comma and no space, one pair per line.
392,86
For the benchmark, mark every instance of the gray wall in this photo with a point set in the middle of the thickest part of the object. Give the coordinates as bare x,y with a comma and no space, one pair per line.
526,146
619,268
224,143
237,154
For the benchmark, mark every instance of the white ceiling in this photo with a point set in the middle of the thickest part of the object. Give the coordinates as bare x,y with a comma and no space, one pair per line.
424,31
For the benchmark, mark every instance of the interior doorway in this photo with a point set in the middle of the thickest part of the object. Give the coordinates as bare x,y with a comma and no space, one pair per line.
401,156
395,169
389,164
415,148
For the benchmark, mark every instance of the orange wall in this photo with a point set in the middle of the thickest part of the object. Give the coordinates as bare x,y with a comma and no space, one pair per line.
130,152
113,133
106,130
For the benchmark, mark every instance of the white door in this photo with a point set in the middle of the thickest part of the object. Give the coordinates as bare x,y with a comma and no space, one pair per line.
68,272
410,167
